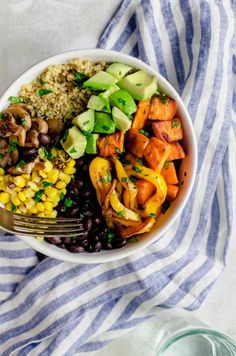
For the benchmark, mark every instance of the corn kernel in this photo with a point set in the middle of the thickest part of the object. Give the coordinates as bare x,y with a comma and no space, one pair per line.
42,174
35,177
22,196
48,166
28,193
71,163
41,215
52,214
17,190
19,181
10,179
15,200
40,206
51,192
60,184
33,210
54,200
67,179
22,209
33,186
69,170
26,176
29,203
2,185
4,198
2,172
44,197
54,152
48,206
8,206
53,175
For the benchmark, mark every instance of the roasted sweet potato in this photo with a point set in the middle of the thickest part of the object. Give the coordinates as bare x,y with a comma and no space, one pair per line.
109,144
130,159
169,131
136,142
169,173
145,190
156,153
172,191
141,114
162,109
176,152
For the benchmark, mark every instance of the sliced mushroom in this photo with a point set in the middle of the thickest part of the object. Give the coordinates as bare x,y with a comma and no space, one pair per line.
4,157
21,116
55,126
25,169
40,125
8,125
32,139
27,107
3,143
21,138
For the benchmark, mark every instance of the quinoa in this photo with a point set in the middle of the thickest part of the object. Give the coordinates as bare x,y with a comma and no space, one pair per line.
65,98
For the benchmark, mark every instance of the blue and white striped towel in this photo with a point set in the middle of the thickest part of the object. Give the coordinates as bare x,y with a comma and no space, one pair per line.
55,308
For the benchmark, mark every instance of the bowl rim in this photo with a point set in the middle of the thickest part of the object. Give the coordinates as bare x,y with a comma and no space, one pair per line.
114,254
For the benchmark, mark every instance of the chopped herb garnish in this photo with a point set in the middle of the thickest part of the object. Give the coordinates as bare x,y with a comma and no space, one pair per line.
23,122
121,213
121,101
163,98
139,84
48,155
105,127
1,115
73,150
81,216
175,124
86,133
126,161
110,236
166,164
137,169
13,207
68,203
106,179
118,150
86,123
49,184
152,215
15,99
22,163
38,195
146,175
12,146
124,179
62,196
41,81
43,92
140,161
80,78
144,132
105,108
65,136
133,179
134,239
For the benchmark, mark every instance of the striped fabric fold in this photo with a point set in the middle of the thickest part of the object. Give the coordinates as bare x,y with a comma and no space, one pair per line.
56,308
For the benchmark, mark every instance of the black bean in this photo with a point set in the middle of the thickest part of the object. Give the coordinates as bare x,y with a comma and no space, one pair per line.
54,240
107,246
85,193
76,249
74,212
44,139
98,220
97,247
88,213
88,224
66,240
30,154
119,242
62,246
82,236
79,183
79,162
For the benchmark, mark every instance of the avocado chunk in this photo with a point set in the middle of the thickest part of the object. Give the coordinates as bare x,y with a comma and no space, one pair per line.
100,81
140,85
91,147
122,121
74,142
124,101
118,70
104,123
107,93
85,121
99,103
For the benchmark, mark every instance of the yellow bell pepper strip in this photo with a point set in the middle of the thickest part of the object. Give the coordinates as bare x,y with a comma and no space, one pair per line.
155,201
144,226
121,209
124,222
106,204
130,197
100,174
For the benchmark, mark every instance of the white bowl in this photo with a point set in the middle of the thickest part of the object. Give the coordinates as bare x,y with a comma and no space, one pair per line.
188,165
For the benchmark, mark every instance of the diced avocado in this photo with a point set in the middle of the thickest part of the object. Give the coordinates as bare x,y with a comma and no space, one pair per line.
124,101
74,142
123,123
140,85
91,147
85,121
100,81
107,93
118,70
104,123
99,103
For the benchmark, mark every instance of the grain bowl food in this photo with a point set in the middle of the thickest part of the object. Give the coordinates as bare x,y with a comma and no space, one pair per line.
99,141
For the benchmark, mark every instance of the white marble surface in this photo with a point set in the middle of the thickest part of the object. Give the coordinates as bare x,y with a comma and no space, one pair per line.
33,30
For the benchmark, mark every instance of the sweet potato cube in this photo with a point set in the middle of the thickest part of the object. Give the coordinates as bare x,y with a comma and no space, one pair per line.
162,109
156,153
176,152
172,191
141,114
136,142
110,144
145,190
169,131
169,173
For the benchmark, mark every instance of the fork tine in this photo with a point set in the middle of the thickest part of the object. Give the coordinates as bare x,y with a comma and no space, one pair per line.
46,230
41,225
